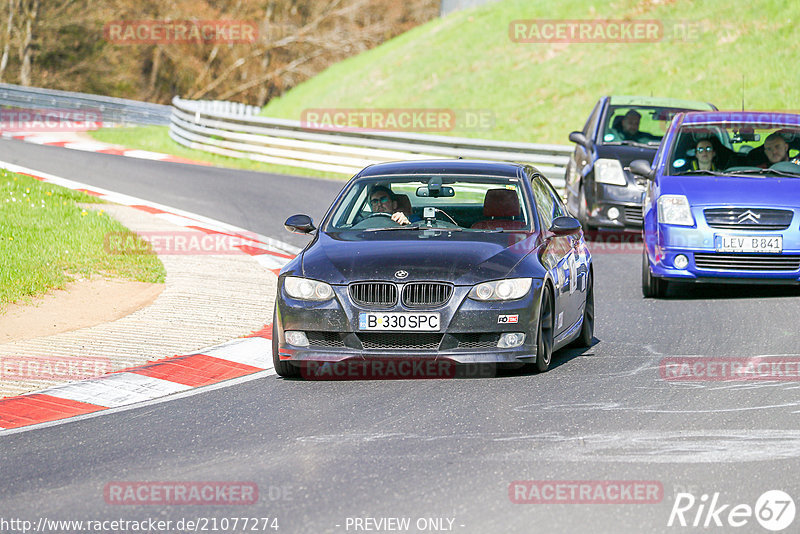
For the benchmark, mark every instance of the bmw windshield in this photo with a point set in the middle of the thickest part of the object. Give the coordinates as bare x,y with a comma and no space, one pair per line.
457,203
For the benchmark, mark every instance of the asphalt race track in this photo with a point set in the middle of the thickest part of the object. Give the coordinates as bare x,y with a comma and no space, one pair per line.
324,454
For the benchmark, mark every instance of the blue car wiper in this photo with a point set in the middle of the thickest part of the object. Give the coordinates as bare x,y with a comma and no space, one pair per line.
700,171
763,172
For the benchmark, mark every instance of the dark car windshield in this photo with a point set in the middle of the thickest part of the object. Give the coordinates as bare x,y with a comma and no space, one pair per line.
460,203
736,149
637,125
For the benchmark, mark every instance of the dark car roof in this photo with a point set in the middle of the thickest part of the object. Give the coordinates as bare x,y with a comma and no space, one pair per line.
657,101
769,119
450,166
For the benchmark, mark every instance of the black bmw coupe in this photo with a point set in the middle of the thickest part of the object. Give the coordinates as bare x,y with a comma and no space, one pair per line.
436,261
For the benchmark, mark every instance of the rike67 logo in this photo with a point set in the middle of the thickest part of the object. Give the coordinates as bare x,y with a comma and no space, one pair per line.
774,510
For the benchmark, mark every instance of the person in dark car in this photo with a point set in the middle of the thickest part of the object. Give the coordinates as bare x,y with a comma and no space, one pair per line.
383,200
627,128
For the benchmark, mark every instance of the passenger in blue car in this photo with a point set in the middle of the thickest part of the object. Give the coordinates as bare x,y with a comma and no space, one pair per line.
776,149
705,156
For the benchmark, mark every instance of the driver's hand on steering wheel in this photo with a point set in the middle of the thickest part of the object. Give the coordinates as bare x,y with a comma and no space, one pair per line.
400,218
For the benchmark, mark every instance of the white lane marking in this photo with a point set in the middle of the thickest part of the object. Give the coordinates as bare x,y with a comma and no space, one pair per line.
117,389
113,196
145,154
177,220
169,398
88,146
252,351
43,139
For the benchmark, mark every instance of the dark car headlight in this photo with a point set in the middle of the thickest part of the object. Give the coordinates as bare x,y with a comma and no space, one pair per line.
307,289
508,289
609,171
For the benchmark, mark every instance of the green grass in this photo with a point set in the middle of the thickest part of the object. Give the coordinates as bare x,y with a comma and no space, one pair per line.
540,92
45,237
157,139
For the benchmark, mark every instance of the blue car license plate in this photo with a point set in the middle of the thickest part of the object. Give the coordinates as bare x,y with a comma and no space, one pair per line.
771,244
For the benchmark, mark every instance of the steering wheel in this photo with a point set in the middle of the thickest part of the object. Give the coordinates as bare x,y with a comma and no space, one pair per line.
379,213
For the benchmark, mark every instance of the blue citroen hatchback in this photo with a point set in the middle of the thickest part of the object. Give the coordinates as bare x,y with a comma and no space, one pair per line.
723,201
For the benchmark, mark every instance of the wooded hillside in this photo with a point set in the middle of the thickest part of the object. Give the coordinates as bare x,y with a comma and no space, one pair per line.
66,44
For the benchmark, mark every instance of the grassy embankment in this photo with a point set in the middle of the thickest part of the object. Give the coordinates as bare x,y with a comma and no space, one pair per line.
540,92
46,239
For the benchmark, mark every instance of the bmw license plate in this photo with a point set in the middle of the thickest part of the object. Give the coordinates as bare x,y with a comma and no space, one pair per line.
398,321
772,244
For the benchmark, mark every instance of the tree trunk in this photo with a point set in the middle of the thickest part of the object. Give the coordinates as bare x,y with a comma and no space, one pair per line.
31,12
7,42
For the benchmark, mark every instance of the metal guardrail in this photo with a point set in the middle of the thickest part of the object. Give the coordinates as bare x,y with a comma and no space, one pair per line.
111,110
291,143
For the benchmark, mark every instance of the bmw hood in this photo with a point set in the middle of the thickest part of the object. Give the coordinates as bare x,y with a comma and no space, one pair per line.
462,258
744,191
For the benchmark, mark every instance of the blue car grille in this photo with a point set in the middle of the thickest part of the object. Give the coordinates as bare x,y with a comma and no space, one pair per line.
374,294
747,262
748,218
426,294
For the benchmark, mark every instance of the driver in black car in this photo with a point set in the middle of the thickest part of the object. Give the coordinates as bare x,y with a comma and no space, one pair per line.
382,200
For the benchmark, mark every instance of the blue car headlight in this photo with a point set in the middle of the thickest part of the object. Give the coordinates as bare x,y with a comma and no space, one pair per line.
307,289
508,289
674,209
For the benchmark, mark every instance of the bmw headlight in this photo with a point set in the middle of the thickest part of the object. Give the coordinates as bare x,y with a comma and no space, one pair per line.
609,171
509,289
306,289
674,209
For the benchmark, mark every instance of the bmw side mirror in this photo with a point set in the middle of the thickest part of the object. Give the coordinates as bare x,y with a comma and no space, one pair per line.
642,168
299,224
565,226
579,138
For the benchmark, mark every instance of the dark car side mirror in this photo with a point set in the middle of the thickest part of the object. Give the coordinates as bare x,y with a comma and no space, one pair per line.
300,224
565,226
642,168
579,138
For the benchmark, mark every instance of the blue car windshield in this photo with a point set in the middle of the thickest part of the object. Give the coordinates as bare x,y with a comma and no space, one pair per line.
460,203
736,149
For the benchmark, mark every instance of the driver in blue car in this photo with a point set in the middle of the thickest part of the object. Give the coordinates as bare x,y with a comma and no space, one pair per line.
382,200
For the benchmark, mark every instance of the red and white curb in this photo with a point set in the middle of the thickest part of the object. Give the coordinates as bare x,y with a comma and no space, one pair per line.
174,375
70,139
135,385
